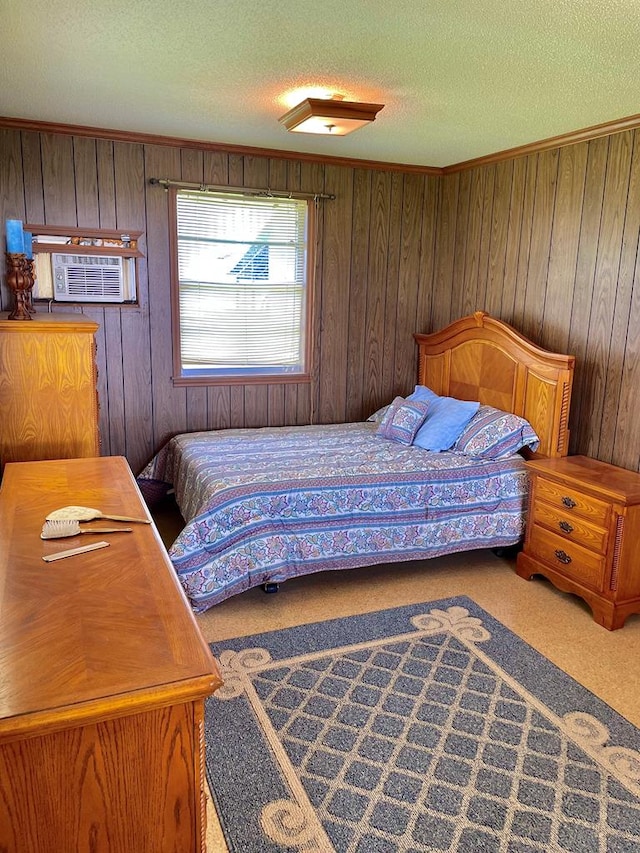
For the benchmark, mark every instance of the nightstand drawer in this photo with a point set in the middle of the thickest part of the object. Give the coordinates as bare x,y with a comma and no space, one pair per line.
583,533
572,501
569,558
571,527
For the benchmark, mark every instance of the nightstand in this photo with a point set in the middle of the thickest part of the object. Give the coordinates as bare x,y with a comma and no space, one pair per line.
583,533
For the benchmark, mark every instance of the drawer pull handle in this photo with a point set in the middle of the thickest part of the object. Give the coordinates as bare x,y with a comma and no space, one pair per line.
562,556
569,502
564,525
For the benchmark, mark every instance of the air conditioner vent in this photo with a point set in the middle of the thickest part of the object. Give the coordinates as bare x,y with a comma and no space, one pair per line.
88,278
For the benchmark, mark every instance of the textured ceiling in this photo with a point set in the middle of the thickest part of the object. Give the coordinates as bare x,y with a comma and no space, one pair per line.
459,80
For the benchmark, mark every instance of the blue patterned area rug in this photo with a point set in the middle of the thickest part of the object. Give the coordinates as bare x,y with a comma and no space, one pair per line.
429,727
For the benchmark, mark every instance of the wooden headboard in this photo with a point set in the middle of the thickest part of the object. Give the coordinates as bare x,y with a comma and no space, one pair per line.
481,358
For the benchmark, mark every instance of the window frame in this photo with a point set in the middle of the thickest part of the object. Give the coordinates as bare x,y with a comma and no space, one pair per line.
261,378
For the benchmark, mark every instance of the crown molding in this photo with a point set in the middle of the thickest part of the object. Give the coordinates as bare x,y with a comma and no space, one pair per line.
201,145
584,135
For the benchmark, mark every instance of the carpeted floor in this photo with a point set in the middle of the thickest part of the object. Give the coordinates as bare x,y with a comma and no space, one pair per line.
419,728
558,625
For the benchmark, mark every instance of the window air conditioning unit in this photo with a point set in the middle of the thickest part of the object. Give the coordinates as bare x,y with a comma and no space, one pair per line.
88,278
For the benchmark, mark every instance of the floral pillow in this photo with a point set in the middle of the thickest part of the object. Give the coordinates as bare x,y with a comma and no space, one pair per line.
494,434
377,416
402,420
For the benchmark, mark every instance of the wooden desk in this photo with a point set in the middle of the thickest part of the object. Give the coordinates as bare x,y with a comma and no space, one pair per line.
103,674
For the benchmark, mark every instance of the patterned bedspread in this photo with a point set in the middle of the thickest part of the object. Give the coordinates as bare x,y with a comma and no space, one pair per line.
264,505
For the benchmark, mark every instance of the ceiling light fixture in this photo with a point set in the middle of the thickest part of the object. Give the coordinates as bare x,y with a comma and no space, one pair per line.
331,116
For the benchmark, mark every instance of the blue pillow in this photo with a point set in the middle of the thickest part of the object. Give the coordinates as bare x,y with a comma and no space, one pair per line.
446,418
422,393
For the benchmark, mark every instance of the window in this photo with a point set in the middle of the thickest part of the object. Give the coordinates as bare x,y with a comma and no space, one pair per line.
241,295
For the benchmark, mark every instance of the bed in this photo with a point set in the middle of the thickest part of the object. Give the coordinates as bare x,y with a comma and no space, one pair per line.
264,505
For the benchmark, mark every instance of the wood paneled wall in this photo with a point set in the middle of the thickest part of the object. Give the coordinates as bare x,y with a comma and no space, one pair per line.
549,243
374,265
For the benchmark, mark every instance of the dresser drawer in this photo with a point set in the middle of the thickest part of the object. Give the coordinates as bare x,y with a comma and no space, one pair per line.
573,501
569,526
569,558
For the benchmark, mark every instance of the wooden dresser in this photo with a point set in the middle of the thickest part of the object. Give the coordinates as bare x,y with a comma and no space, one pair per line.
48,397
583,534
103,675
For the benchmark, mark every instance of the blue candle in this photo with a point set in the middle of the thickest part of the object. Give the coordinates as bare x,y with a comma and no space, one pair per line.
28,244
15,240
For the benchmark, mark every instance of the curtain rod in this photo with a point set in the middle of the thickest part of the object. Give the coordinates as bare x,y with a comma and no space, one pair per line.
264,193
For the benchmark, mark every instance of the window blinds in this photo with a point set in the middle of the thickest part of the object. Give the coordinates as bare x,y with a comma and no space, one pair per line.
242,283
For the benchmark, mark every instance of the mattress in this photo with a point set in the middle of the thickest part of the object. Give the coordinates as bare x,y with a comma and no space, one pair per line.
265,505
